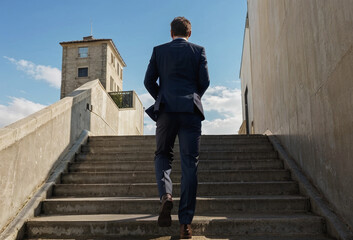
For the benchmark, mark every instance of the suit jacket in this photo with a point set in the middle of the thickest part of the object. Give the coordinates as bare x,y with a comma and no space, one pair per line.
181,68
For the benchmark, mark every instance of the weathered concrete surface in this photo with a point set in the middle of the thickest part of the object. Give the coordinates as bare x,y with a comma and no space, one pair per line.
301,74
229,203
16,229
131,119
31,147
334,224
176,237
245,76
94,226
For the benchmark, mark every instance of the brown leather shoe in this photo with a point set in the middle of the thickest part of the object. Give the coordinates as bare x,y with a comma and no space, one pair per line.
164,219
185,231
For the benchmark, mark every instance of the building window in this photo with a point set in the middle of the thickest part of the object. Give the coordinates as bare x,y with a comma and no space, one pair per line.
113,60
117,67
83,52
111,84
121,73
83,72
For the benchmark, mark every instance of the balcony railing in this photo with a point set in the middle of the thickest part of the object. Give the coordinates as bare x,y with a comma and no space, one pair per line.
123,99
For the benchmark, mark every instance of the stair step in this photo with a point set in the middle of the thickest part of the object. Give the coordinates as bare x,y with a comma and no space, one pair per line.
203,149
148,156
150,189
149,176
205,205
144,165
152,147
282,237
88,226
149,138
203,142
302,237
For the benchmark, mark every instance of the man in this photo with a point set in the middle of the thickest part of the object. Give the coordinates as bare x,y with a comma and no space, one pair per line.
181,68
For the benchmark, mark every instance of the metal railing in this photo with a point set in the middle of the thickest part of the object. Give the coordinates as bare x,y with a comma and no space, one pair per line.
123,99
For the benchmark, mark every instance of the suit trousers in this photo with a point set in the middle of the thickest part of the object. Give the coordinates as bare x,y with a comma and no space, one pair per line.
187,126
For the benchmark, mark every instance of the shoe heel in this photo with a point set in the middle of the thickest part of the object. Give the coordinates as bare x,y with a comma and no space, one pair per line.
164,219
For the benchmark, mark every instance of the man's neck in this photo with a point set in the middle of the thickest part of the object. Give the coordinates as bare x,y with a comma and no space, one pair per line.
180,37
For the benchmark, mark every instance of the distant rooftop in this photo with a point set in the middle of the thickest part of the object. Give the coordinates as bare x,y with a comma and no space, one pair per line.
92,39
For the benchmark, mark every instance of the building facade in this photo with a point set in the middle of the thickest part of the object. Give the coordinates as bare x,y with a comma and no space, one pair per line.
297,83
89,59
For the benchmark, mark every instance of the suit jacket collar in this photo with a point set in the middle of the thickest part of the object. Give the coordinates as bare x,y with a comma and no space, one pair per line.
179,40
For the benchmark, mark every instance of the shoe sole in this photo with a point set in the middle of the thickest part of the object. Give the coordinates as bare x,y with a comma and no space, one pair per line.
164,219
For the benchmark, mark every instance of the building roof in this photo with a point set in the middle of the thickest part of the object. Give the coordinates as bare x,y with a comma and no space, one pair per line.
91,39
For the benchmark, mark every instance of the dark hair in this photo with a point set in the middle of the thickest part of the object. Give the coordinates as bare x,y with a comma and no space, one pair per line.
180,26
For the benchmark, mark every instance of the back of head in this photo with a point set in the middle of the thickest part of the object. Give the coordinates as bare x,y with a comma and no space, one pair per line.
180,26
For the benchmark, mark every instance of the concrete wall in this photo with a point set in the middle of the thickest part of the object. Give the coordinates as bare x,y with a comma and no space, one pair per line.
246,83
31,147
131,119
301,70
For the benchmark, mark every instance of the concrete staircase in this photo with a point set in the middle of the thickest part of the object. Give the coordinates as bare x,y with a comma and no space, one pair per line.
244,192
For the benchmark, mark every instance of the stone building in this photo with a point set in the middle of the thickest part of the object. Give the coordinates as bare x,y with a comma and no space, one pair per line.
89,59
297,84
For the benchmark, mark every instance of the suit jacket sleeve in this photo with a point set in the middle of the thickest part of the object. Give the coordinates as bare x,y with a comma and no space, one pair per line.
204,80
152,76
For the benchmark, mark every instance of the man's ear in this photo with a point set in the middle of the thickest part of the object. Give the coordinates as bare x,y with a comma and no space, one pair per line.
171,34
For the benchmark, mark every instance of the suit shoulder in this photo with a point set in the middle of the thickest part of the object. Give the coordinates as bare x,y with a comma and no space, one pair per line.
196,46
162,45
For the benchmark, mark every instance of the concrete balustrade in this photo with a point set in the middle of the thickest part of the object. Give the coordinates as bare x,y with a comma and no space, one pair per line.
130,119
30,148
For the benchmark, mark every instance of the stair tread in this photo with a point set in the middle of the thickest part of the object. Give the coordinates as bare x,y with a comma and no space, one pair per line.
179,171
250,197
176,160
204,144
200,183
112,144
198,218
202,136
177,151
303,237
176,184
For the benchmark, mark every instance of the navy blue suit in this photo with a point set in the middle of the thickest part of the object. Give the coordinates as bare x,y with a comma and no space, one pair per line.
181,68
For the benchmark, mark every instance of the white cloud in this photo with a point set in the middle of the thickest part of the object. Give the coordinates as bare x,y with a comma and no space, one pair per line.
222,126
146,99
48,74
226,102
17,109
149,127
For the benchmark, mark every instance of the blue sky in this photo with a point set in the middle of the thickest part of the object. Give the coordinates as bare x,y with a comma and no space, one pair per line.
30,60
